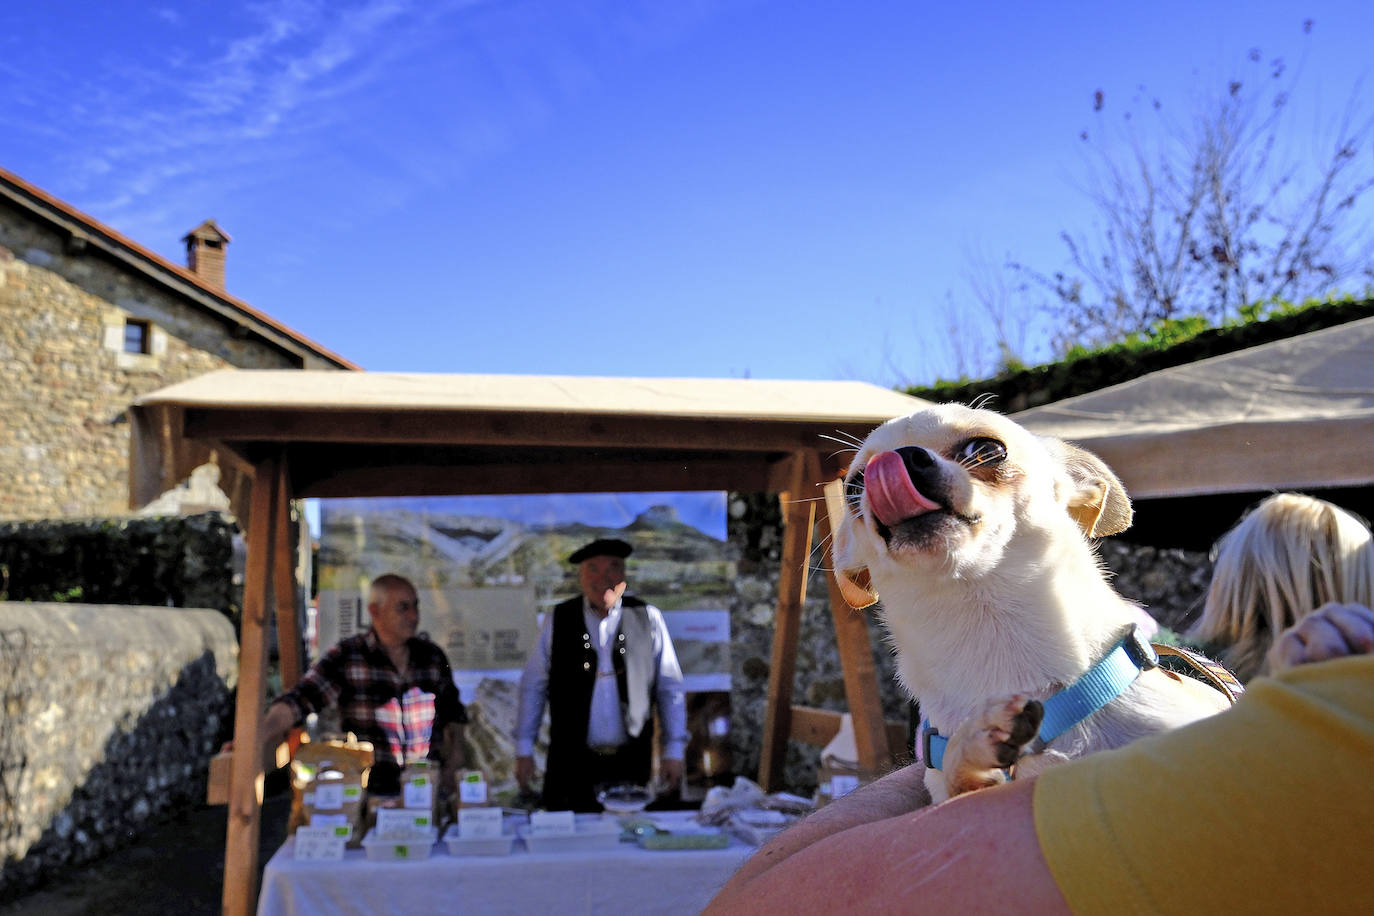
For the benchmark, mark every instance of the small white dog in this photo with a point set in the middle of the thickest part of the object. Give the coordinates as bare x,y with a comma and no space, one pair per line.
974,532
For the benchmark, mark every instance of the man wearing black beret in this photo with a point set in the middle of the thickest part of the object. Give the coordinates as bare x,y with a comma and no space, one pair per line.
603,659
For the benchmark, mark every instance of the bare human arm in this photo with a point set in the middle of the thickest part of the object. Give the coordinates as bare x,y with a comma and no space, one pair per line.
878,850
453,755
276,722
524,772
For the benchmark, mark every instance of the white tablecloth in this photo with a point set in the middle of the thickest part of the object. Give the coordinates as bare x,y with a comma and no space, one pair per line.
623,880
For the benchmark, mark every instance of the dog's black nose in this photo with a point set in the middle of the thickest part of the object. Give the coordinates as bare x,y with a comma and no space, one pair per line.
916,460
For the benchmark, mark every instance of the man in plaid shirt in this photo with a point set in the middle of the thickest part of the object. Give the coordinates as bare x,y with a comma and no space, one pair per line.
392,687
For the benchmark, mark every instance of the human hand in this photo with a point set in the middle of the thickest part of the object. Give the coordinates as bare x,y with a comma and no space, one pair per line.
524,772
670,773
1331,631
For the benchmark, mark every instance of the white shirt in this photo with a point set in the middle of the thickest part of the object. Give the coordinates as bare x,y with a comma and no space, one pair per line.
605,725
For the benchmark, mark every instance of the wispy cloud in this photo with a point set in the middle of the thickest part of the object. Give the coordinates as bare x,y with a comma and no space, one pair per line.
213,106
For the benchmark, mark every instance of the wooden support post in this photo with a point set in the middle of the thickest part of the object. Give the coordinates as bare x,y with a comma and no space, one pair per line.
799,516
856,653
240,892
284,584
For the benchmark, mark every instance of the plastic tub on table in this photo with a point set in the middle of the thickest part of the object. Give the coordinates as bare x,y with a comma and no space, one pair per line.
399,848
479,846
587,834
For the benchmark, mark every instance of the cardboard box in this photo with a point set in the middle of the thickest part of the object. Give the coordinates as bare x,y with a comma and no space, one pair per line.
217,787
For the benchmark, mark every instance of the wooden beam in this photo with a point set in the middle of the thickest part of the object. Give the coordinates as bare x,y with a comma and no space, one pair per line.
748,473
284,583
856,652
818,727
799,516
440,427
239,897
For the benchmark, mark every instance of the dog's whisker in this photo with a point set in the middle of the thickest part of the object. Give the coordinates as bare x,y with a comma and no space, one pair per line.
805,499
848,438
849,445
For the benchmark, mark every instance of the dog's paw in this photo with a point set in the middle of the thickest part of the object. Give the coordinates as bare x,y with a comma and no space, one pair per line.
984,745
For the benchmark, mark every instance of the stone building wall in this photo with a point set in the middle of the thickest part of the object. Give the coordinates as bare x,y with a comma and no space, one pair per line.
65,380
111,715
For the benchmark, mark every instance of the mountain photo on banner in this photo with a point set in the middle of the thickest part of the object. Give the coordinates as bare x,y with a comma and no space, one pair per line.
487,568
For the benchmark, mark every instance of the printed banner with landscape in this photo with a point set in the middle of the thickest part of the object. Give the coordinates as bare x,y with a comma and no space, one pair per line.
487,568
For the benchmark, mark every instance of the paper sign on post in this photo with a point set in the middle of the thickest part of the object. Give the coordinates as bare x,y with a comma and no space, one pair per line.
321,843
552,823
474,823
403,821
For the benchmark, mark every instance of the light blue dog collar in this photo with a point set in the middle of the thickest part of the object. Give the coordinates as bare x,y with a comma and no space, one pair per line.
1099,685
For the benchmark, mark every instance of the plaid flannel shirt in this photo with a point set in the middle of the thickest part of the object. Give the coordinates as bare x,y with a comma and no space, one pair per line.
397,716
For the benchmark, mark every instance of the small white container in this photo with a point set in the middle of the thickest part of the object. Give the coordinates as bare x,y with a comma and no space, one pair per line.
479,846
588,834
399,848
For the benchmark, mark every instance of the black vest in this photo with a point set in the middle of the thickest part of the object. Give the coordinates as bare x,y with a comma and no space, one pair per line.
572,678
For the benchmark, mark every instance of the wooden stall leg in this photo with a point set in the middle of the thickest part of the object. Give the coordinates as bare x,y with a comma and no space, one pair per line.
856,654
799,516
284,584
239,896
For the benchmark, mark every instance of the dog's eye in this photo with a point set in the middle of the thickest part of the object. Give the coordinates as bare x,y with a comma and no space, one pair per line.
978,452
854,491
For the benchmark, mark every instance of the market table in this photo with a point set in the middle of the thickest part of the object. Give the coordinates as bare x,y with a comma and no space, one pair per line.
623,879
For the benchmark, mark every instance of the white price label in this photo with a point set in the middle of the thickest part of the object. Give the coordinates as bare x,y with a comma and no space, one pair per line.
329,796
472,790
552,823
403,821
479,822
418,792
321,843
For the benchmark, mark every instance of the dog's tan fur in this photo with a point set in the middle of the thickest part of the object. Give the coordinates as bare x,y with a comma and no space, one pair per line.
997,597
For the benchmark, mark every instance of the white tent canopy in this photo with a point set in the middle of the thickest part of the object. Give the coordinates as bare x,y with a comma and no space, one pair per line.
1293,414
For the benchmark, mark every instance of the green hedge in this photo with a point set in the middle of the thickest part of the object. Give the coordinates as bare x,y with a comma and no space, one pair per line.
172,561
1174,344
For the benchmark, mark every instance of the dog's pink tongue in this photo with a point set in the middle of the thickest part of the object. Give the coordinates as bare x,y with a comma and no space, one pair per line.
891,494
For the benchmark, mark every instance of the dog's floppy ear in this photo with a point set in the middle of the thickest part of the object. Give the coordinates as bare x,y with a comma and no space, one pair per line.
1097,500
852,578
856,587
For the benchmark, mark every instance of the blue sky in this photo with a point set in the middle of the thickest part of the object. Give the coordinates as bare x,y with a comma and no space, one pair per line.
640,188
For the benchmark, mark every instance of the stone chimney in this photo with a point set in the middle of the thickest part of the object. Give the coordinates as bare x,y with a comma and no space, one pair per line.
205,252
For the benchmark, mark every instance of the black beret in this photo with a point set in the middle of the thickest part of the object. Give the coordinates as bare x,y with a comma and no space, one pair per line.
601,547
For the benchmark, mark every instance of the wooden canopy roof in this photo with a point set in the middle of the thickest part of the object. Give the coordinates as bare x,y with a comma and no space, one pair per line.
279,435
385,434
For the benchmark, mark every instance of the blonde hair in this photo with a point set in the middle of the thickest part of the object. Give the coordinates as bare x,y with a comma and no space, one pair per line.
1287,557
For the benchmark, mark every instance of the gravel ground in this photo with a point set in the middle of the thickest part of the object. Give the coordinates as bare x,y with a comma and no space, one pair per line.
177,868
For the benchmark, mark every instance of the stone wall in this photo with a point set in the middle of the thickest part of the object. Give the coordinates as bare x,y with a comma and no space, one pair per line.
755,527
111,715
65,380
1170,583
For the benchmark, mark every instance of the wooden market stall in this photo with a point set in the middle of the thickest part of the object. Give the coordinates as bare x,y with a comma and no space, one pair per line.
283,435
